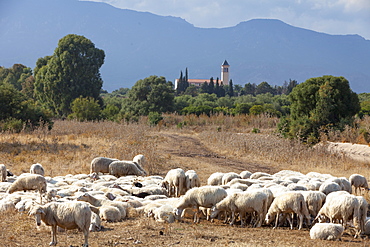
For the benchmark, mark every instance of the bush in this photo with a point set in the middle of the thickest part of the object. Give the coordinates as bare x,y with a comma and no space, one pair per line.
154,118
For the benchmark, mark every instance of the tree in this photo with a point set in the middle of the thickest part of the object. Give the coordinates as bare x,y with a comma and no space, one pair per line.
152,94
72,71
231,89
249,89
264,87
321,103
85,109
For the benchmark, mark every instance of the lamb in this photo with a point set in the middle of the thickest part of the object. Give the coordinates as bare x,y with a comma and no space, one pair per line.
101,164
205,196
242,203
29,182
327,231
3,173
67,215
358,181
174,182
37,169
123,168
289,202
191,179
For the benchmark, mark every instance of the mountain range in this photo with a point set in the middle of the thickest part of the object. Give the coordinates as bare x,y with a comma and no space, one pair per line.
141,44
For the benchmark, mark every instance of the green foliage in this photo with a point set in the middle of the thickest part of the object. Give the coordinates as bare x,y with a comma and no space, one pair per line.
256,110
72,71
318,104
154,118
242,108
197,110
152,94
85,109
110,112
16,75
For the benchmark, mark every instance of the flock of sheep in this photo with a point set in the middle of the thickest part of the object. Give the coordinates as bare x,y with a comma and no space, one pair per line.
117,189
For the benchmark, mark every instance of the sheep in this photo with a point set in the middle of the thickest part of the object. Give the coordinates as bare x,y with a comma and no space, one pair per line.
29,182
362,213
174,182
258,175
289,202
164,213
6,206
344,208
191,179
329,187
205,196
245,174
140,159
67,215
326,231
242,203
314,200
109,213
86,197
3,173
227,177
37,169
358,181
101,164
95,224
123,168
215,178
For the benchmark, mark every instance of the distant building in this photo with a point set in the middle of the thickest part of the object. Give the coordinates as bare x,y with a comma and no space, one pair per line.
198,82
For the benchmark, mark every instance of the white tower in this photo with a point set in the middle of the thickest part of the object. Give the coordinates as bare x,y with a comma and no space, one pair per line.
225,73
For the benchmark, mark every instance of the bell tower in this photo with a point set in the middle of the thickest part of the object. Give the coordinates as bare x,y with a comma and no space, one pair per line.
225,73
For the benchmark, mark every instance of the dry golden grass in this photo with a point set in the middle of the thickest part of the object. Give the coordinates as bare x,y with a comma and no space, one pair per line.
207,145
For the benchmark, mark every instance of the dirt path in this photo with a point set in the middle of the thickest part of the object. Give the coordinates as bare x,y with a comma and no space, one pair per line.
188,152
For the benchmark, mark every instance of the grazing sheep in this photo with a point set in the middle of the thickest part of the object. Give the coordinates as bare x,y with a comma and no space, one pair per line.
174,182
101,164
227,177
29,182
243,203
205,196
245,174
329,187
95,224
191,179
67,215
289,202
358,181
362,213
326,231
123,168
3,173
341,208
215,178
37,169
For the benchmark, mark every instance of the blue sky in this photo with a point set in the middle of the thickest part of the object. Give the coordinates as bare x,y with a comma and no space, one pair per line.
328,16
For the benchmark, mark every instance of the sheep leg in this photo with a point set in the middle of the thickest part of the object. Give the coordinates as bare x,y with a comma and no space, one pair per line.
86,236
300,221
53,235
232,218
276,221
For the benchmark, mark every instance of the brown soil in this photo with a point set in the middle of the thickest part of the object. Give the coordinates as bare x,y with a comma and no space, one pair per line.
188,152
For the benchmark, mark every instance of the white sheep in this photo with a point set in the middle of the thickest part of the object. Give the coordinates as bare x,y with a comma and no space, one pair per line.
358,181
29,182
109,213
191,179
101,164
215,178
67,215
95,224
314,200
326,231
120,206
329,187
164,213
3,173
362,213
123,168
227,177
245,174
140,159
174,182
342,208
258,175
243,203
37,169
6,206
289,202
205,196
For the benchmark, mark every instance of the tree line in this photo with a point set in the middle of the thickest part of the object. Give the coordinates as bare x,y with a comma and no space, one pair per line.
67,84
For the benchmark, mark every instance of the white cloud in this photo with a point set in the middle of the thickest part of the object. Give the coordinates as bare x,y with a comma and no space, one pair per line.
329,16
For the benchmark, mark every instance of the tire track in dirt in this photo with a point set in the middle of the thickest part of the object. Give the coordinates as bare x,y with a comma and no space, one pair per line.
190,150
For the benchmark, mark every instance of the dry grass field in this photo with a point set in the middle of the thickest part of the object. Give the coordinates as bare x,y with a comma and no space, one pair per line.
203,144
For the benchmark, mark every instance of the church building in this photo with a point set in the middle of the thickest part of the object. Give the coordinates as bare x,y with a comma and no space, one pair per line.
224,77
